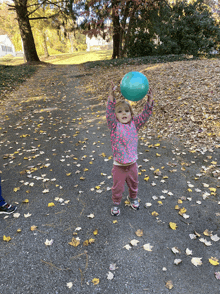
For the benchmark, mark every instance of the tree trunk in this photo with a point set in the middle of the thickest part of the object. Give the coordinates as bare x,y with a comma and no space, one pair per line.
25,30
116,31
46,53
127,36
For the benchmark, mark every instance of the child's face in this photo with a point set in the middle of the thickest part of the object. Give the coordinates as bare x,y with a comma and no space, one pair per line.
123,113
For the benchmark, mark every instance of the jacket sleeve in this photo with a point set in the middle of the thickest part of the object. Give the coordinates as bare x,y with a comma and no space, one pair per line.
110,114
143,117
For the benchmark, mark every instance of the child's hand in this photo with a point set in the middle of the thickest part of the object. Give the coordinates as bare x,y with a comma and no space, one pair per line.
111,91
150,97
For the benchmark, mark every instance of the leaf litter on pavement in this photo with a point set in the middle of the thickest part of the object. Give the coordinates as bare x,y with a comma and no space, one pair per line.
186,110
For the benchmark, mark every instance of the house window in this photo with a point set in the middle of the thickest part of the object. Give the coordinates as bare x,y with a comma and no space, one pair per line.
3,48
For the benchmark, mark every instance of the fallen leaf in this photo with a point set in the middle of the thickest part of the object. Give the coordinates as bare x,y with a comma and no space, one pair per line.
213,261
7,239
45,191
69,285
177,261
27,214
51,204
154,213
147,247
169,285
128,247
16,214
139,233
175,250
188,252
48,242
173,226
112,267
33,228
25,201
75,242
95,281
196,261
91,215
110,275
134,242
215,238
207,233
217,275
95,232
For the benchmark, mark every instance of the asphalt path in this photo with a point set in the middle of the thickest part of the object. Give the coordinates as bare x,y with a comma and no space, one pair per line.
55,149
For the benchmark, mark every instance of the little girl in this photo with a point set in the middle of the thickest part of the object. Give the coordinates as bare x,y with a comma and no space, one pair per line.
124,127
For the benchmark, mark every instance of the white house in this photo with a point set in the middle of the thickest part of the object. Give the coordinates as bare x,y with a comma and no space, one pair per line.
6,46
98,43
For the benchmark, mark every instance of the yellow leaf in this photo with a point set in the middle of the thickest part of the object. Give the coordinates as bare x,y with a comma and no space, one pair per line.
213,261
86,243
95,281
25,201
51,204
68,174
16,189
91,240
173,226
182,211
189,190
95,232
97,187
157,145
180,201
165,177
146,178
207,233
7,239
18,230
85,169
212,189
154,213
160,202
115,221
127,203
33,228
74,242
82,178
177,207
157,154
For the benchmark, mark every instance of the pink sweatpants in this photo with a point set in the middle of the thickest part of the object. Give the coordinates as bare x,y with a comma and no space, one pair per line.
122,174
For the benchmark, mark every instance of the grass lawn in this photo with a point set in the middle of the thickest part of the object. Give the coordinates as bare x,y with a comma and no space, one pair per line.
13,70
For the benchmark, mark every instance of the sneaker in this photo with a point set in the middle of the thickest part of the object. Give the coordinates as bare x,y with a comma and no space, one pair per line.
134,203
115,211
7,208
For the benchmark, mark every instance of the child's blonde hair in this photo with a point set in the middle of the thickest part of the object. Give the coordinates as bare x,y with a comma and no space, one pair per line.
121,102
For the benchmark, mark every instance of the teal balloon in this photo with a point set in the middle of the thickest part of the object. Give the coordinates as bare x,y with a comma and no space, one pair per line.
134,86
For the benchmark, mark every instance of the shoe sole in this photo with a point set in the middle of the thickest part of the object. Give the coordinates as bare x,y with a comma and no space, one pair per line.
5,212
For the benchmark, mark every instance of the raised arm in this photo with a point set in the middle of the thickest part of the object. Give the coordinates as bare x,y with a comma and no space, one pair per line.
143,117
110,109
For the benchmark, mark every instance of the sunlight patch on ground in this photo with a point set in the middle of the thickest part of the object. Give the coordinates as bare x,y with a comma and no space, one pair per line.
84,57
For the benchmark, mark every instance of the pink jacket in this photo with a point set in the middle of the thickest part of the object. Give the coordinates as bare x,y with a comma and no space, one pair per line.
124,137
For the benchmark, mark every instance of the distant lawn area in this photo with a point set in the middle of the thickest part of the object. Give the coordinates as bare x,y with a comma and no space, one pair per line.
13,70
